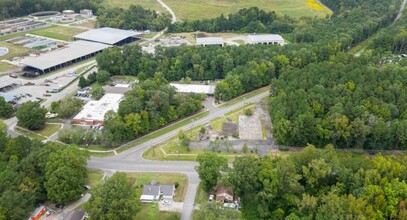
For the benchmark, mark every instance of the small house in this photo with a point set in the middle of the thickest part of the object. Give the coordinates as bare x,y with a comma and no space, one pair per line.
167,191
153,191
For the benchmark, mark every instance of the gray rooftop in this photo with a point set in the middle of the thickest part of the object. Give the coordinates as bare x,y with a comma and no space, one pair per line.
8,96
152,190
265,38
71,51
106,35
167,190
8,81
209,40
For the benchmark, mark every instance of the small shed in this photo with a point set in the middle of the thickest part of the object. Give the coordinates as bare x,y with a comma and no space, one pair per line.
224,194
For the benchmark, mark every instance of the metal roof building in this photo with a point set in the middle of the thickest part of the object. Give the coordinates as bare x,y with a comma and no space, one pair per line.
72,53
94,111
265,39
205,41
191,88
107,35
7,82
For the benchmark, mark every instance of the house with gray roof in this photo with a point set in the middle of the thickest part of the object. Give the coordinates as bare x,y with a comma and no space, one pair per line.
153,191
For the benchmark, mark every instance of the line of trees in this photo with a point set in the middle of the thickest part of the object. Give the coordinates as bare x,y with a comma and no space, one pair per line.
32,172
18,8
135,18
247,20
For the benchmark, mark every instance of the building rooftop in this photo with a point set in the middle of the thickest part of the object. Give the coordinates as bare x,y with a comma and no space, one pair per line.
96,110
8,81
107,35
209,41
167,190
8,96
193,88
265,38
151,190
71,51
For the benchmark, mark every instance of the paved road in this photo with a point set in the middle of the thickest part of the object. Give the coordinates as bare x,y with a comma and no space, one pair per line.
403,5
173,17
132,160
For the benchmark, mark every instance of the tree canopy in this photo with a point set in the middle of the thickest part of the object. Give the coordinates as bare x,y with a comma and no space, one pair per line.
31,115
209,168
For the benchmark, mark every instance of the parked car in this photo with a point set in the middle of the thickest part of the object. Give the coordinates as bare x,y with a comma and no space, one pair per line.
59,206
211,198
87,187
166,202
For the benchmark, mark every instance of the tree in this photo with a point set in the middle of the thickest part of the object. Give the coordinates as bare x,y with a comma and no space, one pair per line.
6,109
215,211
209,168
83,82
97,91
102,77
114,199
31,115
68,107
65,174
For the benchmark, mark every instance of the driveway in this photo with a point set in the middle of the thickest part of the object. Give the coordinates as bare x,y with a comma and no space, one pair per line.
174,207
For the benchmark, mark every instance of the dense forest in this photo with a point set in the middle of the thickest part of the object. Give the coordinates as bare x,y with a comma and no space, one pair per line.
248,20
321,184
32,172
18,8
348,102
134,18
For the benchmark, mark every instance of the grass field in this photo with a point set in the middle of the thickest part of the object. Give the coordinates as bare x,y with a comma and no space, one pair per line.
89,24
58,32
28,134
14,50
6,67
49,129
94,177
150,212
200,9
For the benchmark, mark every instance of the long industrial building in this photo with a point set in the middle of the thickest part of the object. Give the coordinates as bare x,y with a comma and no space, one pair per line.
266,39
72,53
205,41
110,36
193,88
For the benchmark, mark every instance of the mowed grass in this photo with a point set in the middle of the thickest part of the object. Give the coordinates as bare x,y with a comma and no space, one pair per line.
200,9
141,179
58,32
150,4
6,67
149,211
94,177
49,129
14,50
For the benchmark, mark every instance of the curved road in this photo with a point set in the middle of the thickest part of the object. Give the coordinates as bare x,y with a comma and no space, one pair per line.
174,18
132,160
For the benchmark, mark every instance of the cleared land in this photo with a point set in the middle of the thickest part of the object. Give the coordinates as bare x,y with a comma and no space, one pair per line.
14,50
58,32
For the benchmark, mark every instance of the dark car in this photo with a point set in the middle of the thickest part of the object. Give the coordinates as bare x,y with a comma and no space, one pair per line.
59,206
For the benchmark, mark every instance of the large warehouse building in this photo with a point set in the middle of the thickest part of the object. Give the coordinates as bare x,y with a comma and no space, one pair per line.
110,36
94,111
205,41
72,53
192,88
266,39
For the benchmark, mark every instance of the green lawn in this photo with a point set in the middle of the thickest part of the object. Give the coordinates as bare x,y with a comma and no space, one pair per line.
162,178
201,196
49,129
14,50
165,130
94,177
28,134
58,32
6,67
193,9
151,4
150,212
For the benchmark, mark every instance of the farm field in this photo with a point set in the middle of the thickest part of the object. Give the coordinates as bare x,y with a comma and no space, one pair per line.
58,32
199,9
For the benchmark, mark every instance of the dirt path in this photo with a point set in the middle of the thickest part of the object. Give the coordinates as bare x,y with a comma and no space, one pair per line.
174,18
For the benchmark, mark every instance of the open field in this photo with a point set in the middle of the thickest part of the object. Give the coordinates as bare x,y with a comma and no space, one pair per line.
193,9
58,32
6,67
167,178
151,4
90,24
28,134
14,50
149,211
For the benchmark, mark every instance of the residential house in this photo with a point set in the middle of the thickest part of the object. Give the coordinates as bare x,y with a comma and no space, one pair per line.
153,191
224,194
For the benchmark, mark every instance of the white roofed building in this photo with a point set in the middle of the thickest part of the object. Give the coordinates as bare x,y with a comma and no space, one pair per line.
94,111
205,41
192,88
266,39
111,36
72,53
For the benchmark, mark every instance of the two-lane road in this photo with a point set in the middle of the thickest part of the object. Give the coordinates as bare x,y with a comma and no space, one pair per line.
132,160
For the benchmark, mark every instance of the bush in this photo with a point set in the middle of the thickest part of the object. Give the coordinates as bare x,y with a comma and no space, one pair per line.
248,112
176,185
245,148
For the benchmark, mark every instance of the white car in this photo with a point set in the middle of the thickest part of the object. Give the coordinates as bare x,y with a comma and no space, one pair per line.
166,202
211,198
